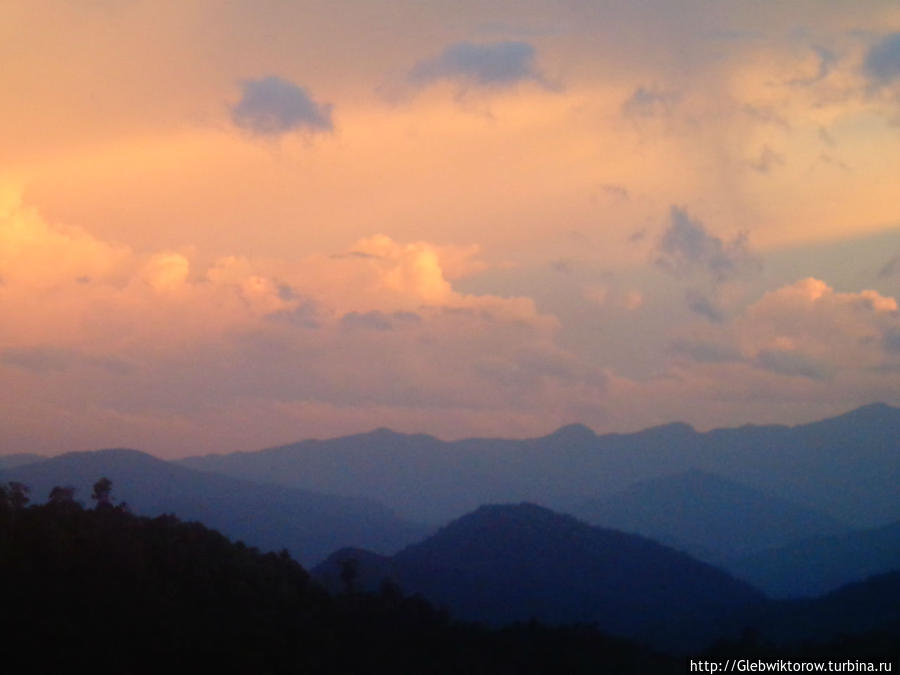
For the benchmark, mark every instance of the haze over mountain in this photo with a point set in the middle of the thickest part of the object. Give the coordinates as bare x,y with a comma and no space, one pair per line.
505,563
19,459
710,517
817,565
271,517
846,467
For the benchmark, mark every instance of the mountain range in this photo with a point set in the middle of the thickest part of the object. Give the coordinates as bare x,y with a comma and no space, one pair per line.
796,511
845,467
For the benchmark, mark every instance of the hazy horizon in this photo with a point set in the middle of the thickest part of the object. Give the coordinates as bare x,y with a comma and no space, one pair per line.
188,453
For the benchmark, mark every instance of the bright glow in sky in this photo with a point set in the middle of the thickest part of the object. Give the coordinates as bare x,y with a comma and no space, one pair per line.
230,224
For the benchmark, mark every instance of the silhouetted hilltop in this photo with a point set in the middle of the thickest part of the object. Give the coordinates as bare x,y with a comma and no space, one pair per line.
571,434
508,563
272,517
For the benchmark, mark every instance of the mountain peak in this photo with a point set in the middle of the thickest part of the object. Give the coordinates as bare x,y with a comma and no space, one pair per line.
873,411
508,562
573,433
874,416
520,511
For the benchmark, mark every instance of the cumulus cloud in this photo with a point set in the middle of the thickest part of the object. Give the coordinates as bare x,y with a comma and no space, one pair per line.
32,251
882,61
804,330
495,64
166,272
686,247
272,106
382,329
808,328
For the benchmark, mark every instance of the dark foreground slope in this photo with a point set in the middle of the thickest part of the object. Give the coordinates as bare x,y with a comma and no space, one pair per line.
514,562
861,608
310,525
107,591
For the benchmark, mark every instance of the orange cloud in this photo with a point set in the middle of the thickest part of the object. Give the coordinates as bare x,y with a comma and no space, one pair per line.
378,326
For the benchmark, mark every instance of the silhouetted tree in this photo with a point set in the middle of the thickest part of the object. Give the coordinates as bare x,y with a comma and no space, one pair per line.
62,495
18,494
102,493
349,573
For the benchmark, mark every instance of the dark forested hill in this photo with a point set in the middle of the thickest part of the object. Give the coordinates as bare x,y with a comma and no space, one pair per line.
272,517
513,562
105,591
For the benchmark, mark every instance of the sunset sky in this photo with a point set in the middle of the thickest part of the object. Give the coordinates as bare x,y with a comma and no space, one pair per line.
227,225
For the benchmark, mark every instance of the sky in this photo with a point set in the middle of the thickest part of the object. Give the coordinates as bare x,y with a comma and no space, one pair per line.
231,224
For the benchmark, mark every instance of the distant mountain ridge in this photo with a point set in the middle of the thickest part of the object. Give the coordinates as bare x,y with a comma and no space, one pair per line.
310,525
19,459
505,563
846,467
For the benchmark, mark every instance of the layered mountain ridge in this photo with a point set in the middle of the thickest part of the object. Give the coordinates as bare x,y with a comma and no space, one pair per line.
846,467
